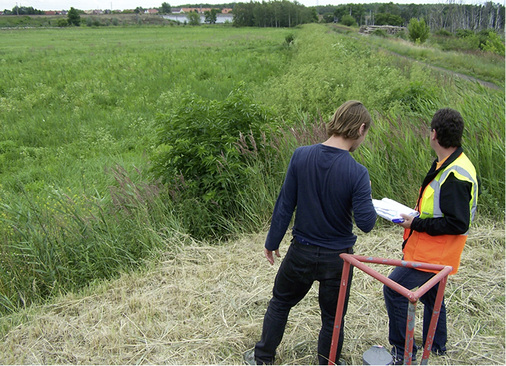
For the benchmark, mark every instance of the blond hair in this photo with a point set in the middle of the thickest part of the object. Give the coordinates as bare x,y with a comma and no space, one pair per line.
348,119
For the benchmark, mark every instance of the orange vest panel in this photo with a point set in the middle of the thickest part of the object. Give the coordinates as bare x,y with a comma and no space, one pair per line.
441,249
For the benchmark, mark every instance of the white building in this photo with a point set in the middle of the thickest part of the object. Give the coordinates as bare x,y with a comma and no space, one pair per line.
181,17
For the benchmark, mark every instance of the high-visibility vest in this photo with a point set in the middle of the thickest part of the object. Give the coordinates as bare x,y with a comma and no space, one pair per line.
441,249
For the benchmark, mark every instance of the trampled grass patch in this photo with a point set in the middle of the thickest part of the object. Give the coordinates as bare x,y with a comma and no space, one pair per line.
201,304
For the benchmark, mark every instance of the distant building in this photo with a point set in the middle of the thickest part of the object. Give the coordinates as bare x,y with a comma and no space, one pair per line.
198,10
151,11
94,12
181,17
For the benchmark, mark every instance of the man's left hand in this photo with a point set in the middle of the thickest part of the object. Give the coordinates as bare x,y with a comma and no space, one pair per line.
269,254
406,224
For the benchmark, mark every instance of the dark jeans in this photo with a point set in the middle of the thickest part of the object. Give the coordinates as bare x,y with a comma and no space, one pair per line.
397,309
302,265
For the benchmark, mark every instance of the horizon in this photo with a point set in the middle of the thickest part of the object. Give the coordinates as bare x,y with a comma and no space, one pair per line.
48,5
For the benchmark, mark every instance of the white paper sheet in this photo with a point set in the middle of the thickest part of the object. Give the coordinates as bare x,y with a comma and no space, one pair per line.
391,210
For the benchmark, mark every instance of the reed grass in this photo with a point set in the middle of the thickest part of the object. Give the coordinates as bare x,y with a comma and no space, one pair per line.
78,110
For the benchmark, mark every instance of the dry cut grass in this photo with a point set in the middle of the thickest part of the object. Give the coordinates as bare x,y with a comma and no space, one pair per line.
204,304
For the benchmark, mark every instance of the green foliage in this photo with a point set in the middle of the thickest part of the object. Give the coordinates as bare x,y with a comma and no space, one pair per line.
415,95
193,18
78,104
463,33
348,20
418,31
210,16
388,19
198,156
277,13
23,10
58,241
62,22
289,38
93,22
494,44
72,107
465,39
356,11
380,33
165,8
327,18
73,17
443,33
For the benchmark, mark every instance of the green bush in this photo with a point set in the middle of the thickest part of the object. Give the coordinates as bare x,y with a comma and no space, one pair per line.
443,33
200,159
93,22
463,33
414,95
62,22
418,31
380,33
388,19
193,18
73,17
327,18
289,38
470,42
348,20
493,44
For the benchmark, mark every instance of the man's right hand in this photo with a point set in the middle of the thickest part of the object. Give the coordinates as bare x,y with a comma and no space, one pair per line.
269,255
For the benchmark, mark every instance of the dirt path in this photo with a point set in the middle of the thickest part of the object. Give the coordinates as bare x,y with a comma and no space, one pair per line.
446,71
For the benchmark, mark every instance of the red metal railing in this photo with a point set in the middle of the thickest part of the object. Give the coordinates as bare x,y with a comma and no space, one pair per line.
441,277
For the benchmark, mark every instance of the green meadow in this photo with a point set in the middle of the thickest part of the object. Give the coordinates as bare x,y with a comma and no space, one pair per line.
100,129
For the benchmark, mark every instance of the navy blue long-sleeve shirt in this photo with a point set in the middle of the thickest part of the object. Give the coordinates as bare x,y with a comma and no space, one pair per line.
329,189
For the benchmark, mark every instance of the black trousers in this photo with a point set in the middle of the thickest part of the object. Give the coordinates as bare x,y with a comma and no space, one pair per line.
302,265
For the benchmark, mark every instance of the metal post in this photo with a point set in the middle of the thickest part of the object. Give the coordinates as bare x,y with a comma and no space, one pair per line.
433,321
339,312
410,333
441,278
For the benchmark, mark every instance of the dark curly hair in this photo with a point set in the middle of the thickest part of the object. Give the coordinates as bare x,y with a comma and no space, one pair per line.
449,126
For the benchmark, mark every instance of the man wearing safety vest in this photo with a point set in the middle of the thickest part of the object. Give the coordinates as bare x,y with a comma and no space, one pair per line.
447,204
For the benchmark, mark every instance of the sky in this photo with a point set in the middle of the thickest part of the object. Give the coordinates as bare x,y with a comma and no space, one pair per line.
132,4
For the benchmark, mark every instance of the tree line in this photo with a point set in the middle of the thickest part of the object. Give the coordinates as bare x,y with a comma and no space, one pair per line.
450,16
272,14
23,10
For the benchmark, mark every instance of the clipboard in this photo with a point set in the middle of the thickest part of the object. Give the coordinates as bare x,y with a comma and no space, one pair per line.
391,210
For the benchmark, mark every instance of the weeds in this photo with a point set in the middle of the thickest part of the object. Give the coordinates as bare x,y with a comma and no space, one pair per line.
78,200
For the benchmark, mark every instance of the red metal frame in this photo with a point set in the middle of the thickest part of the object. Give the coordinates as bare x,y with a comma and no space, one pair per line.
440,277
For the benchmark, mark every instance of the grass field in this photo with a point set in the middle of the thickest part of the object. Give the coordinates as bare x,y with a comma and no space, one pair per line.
81,110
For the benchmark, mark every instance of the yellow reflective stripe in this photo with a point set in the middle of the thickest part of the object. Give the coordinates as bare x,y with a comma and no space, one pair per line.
458,167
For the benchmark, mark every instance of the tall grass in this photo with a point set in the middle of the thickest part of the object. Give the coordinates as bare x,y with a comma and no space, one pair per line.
78,108
78,113
330,68
478,64
63,241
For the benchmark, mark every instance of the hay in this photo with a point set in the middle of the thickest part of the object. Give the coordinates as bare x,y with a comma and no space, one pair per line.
204,304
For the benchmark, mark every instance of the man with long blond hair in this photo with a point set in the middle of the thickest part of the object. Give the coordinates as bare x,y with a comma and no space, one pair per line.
328,189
